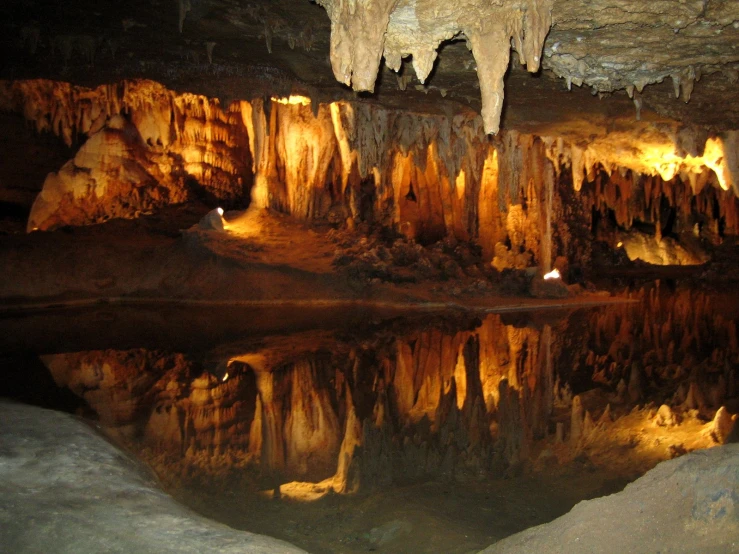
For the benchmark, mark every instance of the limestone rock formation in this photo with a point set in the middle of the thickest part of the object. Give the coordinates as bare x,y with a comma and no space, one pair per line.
142,147
426,176
594,44
597,45
663,55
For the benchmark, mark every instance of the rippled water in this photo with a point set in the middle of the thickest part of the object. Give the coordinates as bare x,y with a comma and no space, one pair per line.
347,431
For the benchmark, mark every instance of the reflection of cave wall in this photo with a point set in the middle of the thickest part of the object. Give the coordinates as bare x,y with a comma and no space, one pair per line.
424,175
431,403
662,346
160,401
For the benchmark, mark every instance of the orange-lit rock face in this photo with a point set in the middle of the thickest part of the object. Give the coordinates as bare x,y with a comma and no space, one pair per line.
426,176
145,147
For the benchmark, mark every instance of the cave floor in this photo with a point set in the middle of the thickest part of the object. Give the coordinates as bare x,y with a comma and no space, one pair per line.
260,257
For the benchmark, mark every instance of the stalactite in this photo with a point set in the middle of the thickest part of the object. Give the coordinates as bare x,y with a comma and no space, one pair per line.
427,176
362,32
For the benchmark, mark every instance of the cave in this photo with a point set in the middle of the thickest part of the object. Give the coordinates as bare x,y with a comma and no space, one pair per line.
369,275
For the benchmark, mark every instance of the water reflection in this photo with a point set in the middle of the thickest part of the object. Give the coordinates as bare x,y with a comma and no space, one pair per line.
322,411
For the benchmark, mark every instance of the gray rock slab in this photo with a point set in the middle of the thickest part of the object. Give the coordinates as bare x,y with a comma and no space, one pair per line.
688,504
65,489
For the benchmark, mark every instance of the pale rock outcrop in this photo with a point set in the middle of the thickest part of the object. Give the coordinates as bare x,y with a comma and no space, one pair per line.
685,505
68,489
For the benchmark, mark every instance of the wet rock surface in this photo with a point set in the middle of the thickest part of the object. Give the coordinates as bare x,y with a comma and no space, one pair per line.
64,488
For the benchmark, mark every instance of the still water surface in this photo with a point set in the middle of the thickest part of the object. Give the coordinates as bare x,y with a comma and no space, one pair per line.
349,431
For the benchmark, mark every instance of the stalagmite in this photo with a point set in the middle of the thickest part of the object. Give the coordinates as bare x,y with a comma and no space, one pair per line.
638,105
665,417
588,426
209,50
694,399
346,479
605,418
721,426
635,389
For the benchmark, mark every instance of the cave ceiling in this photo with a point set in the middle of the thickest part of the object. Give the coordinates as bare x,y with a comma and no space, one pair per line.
604,51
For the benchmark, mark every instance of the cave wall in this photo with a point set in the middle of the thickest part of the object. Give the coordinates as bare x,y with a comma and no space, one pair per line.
426,176
138,147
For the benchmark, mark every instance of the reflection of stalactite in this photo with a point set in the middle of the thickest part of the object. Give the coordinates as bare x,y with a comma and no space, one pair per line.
669,340
311,432
427,403
512,430
273,446
346,479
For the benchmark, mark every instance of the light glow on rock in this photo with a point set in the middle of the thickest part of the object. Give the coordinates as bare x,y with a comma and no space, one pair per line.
554,274
220,211
293,99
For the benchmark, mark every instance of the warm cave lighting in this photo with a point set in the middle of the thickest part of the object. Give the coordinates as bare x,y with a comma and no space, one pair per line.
554,274
220,211
620,244
292,99
225,377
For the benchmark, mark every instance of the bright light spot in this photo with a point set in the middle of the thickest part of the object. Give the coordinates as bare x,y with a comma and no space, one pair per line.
225,377
220,211
554,274
620,244
292,99
664,160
